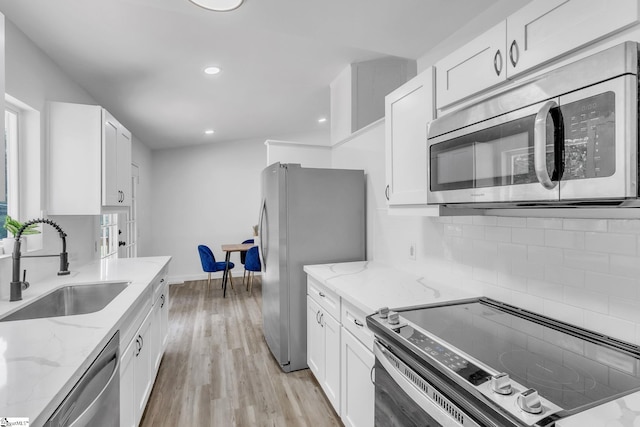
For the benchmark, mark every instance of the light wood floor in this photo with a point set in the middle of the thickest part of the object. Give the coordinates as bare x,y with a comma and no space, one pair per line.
217,369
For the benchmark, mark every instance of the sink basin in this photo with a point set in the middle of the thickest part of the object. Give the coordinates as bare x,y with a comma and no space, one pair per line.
70,300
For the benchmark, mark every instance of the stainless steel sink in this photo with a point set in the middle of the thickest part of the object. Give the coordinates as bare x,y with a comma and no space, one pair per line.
70,300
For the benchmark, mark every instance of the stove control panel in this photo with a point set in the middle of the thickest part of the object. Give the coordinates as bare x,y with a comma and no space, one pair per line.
445,356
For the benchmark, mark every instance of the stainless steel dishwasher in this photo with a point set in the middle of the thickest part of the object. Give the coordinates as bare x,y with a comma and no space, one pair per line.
95,399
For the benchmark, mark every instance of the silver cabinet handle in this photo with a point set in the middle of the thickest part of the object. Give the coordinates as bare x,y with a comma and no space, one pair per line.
321,317
372,375
321,294
138,346
358,323
497,62
318,317
386,192
540,145
162,298
514,53
261,254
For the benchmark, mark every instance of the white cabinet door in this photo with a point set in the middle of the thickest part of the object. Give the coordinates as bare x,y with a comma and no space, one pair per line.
156,339
476,66
142,381
164,316
110,195
358,391
315,340
408,111
331,384
545,29
124,166
127,399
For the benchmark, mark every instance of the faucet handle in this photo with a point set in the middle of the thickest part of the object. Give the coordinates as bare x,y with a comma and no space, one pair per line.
25,284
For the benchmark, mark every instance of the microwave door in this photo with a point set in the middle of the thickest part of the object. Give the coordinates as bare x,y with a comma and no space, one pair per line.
495,160
600,141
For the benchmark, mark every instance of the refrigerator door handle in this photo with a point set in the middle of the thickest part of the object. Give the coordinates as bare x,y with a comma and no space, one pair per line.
261,253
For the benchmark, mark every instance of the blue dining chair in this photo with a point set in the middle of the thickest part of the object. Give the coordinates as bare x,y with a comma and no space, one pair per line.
252,264
209,264
243,256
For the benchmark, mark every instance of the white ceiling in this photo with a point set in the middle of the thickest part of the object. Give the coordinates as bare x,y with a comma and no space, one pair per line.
143,59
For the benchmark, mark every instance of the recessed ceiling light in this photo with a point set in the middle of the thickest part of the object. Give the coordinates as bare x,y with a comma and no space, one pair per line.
209,131
322,119
212,70
218,5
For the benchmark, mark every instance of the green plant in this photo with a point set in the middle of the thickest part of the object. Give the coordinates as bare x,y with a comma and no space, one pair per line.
13,225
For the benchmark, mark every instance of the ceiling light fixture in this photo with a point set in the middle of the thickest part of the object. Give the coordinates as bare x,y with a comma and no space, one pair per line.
212,70
322,119
218,5
209,131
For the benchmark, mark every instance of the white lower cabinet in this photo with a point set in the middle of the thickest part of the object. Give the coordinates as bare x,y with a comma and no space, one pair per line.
358,390
145,336
323,350
136,375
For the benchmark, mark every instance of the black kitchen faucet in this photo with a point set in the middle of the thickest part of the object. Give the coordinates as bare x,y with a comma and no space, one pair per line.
17,285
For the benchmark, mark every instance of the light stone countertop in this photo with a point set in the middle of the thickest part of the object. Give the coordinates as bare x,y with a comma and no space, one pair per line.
371,285
42,359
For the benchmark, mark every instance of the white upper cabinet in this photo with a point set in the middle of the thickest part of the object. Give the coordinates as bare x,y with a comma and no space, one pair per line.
89,160
477,65
545,29
541,31
408,112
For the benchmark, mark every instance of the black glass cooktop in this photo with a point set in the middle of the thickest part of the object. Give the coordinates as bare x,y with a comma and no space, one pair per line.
570,371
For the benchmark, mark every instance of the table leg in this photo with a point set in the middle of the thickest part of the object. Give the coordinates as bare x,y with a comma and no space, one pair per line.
226,274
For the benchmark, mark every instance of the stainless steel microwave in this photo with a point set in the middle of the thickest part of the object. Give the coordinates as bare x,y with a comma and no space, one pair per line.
568,137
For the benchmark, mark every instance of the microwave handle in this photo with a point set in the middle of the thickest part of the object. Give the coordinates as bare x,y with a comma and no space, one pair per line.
540,145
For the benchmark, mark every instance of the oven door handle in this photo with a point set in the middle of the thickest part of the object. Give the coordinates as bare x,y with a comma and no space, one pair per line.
540,145
420,397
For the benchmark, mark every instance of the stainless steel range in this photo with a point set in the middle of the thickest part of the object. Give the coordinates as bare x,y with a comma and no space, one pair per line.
481,362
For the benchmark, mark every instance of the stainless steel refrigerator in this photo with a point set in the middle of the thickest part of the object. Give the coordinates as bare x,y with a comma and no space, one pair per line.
308,216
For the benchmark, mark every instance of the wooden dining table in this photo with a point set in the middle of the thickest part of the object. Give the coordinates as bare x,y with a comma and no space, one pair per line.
228,248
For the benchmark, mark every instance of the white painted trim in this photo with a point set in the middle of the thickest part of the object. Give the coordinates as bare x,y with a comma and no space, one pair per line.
359,132
273,142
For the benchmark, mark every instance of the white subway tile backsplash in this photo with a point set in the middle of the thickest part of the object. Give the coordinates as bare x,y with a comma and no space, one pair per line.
462,219
624,226
545,255
564,276
588,300
473,231
452,230
544,223
625,309
509,221
579,224
614,243
508,280
511,251
544,289
617,286
587,261
527,301
484,220
623,265
497,234
564,239
524,268
527,236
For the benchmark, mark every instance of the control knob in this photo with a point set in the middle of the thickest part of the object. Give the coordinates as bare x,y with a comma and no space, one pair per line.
529,401
383,312
501,383
394,318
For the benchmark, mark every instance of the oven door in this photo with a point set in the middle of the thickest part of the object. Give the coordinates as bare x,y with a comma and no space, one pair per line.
404,398
513,157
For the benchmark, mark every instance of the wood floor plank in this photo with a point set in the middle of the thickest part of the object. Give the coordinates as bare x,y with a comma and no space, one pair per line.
218,371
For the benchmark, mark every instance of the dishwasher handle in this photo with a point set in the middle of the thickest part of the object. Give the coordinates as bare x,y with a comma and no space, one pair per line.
99,381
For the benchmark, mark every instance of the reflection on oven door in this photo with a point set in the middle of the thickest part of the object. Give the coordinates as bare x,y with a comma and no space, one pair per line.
396,408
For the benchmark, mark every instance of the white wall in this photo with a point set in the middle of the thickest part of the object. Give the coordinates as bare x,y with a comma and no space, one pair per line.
141,156
585,272
33,78
204,195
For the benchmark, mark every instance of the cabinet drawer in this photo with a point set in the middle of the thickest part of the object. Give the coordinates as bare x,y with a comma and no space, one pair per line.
353,320
327,299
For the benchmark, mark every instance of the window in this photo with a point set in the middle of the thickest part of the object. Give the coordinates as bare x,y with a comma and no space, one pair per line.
109,236
9,175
